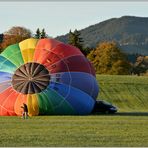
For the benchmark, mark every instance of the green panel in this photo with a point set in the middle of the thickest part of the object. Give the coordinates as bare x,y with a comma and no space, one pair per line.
45,106
13,54
6,65
60,105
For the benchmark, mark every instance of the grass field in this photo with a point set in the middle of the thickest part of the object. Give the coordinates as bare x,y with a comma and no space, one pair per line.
128,93
115,130
126,128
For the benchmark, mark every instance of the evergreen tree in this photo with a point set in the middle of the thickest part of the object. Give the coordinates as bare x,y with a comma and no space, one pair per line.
43,34
1,37
38,34
77,41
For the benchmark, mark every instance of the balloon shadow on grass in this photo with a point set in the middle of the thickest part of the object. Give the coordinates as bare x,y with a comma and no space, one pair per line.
123,114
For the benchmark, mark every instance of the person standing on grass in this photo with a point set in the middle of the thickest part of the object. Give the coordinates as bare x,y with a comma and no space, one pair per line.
25,111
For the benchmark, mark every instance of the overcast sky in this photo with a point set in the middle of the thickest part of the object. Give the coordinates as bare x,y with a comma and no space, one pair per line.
59,17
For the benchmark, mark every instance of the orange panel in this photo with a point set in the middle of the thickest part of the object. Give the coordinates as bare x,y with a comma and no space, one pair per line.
19,102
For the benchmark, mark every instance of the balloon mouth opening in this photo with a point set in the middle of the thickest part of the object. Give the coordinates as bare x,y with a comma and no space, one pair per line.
31,78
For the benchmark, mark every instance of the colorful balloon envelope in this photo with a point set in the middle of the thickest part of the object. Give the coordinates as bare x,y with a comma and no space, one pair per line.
51,77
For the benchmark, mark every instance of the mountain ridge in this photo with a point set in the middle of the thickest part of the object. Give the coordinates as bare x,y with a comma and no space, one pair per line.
130,33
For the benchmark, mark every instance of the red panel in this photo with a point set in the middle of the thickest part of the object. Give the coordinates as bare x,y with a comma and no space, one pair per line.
92,68
47,55
65,50
60,57
47,44
47,58
7,101
72,64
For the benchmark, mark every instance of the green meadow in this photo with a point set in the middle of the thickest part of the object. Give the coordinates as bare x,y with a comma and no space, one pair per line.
128,93
127,128
101,130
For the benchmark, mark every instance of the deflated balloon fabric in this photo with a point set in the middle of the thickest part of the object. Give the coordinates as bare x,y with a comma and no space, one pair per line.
51,77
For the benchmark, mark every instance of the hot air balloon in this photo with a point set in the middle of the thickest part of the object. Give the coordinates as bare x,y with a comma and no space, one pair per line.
51,77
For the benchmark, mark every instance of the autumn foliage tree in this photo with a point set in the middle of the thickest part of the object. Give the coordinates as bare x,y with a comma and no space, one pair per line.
107,58
15,35
140,67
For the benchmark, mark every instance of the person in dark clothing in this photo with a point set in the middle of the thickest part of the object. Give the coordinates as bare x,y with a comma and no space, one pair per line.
25,111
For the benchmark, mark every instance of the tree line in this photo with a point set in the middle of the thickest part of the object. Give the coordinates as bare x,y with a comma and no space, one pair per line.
106,57
17,34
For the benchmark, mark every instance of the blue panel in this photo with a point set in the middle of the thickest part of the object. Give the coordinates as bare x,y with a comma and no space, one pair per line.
80,80
80,101
4,76
6,65
5,81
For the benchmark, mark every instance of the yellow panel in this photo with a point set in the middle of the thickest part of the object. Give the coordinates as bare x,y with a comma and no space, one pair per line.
27,48
32,102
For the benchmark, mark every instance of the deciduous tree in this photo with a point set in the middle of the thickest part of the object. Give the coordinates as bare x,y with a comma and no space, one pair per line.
108,59
141,65
15,35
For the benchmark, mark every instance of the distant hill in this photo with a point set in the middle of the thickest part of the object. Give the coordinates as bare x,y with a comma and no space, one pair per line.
130,32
